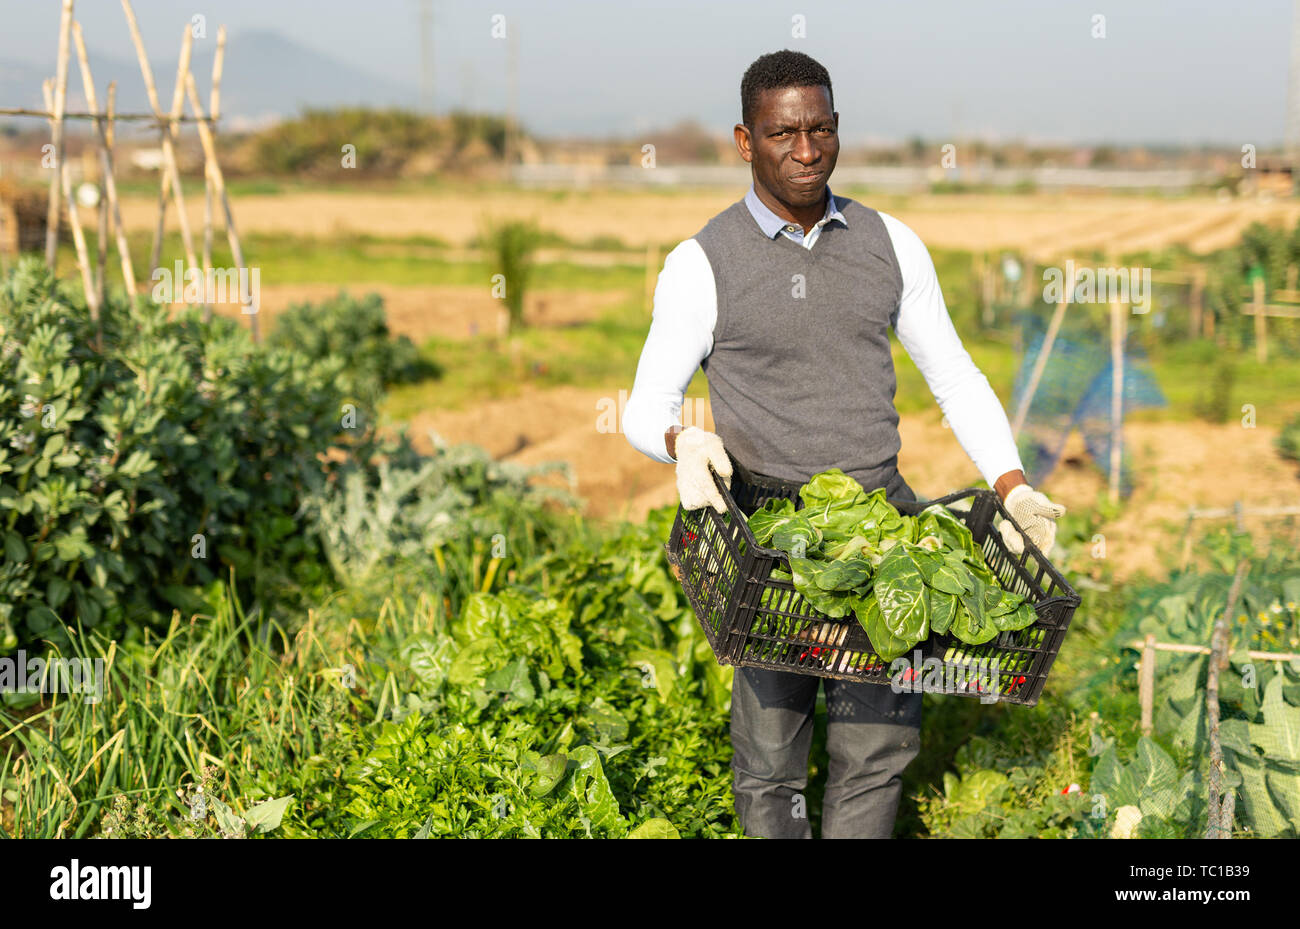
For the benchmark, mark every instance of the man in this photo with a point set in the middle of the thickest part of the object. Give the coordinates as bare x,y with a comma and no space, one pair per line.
785,299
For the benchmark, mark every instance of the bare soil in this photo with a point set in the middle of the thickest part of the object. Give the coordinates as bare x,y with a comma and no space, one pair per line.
1178,465
1049,224
445,312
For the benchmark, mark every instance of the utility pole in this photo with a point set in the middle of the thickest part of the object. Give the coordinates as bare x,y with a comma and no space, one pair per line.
512,91
426,56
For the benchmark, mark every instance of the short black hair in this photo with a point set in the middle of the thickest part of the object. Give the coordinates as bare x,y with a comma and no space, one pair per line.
777,70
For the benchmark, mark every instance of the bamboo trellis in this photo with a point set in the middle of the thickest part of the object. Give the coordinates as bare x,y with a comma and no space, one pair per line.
169,124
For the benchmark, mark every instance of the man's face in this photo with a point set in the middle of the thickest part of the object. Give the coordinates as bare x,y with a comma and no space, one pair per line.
792,144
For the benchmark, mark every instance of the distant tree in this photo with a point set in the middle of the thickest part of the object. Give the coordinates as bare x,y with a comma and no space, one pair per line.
1103,156
510,246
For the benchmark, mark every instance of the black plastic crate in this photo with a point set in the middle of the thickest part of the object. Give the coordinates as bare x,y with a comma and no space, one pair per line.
753,620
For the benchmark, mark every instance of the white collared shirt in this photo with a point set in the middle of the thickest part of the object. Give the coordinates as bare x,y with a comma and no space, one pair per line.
685,312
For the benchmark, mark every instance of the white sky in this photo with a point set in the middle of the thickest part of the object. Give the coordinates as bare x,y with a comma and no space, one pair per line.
1168,71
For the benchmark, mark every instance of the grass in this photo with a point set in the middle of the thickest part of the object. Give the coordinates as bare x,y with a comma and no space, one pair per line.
1187,373
267,185
350,261
236,693
599,354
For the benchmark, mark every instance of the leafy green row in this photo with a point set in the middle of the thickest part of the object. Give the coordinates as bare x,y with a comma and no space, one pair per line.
143,457
904,577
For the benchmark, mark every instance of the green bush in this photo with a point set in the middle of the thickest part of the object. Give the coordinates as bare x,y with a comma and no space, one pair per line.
458,504
387,142
582,701
355,332
1214,402
510,246
311,144
161,462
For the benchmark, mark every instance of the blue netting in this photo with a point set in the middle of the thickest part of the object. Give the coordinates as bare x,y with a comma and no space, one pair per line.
1075,393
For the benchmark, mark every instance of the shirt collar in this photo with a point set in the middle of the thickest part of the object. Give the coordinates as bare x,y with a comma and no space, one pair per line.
771,224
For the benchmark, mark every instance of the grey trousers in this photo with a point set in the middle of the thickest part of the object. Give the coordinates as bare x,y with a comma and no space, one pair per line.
872,734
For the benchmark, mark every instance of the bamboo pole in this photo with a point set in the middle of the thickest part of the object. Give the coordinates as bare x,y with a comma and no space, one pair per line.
155,251
56,135
101,228
214,104
119,229
110,133
164,179
1282,294
1040,364
1279,310
1116,397
213,167
218,66
79,239
173,131
170,172
1147,682
1184,649
1219,825
110,201
48,113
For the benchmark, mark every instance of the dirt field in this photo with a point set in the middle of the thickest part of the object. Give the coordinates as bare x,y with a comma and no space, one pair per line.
1178,465
445,312
1041,224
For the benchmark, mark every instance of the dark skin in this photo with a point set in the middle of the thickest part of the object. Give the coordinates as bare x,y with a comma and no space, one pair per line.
791,148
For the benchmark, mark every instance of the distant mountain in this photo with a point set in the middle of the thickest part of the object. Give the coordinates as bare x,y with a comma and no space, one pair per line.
20,84
266,76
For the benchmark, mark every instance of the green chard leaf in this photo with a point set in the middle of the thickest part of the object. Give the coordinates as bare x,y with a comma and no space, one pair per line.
834,489
904,600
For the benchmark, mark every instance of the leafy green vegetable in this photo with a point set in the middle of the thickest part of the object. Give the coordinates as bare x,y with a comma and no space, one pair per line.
903,576
832,489
901,591
768,518
797,534
943,610
887,645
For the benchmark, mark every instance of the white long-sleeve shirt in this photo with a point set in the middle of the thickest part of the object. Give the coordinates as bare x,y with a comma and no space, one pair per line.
681,337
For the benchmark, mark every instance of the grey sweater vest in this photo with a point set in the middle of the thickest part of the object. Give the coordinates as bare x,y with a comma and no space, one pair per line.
800,377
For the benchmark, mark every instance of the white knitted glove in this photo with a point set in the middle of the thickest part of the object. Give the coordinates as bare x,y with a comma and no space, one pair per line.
1033,512
696,450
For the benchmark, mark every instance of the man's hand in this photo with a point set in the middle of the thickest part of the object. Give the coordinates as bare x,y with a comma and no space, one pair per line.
696,450
1033,512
